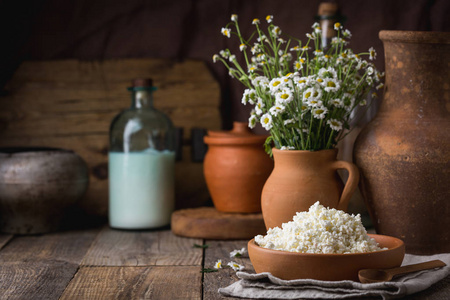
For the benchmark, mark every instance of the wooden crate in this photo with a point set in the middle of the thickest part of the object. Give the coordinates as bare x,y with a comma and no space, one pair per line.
70,104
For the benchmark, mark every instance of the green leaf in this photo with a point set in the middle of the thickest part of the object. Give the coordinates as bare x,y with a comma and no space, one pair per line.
268,145
208,270
201,246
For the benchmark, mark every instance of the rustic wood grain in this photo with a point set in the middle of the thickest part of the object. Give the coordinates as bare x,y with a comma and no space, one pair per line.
208,223
66,246
224,277
181,282
4,239
70,104
142,248
35,280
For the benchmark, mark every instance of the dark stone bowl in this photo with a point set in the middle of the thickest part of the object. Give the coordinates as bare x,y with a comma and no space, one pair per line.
37,186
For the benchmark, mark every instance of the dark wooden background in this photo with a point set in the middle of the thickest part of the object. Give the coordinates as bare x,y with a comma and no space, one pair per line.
181,29
89,35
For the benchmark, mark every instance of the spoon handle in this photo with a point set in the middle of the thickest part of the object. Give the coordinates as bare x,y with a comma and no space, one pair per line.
417,267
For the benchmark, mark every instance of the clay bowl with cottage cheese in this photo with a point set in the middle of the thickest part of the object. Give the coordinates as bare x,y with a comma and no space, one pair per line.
330,267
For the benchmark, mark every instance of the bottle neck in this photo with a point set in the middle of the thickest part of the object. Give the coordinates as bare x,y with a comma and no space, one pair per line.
142,99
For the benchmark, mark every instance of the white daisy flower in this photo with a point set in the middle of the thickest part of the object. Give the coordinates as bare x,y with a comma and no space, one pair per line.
380,86
285,96
252,121
298,65
276,84
296,48
337,26
311,36
226,32
337,103
347,34
269,19
266,121
301,82
289,121
259,106
276,31
320,112
249,96
331,85
363,102
337,40
255,49
225,53
318,52
277,109
372,53
314,102
336,125
238,253
215,58
309,93
234,17
255,21
232,57
235,266
242,47
218,264
327,72
287,148
306,48
261,81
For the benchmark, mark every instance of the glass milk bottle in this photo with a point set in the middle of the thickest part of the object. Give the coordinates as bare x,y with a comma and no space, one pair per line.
141,163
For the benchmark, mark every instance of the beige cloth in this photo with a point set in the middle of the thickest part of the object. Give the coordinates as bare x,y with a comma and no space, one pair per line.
266,286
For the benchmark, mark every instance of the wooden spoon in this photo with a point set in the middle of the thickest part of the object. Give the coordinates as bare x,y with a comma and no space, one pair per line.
374,275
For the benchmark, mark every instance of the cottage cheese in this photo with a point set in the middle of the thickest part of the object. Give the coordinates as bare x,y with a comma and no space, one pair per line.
320,230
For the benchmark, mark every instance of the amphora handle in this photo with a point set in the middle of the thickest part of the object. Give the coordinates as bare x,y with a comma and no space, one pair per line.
352,182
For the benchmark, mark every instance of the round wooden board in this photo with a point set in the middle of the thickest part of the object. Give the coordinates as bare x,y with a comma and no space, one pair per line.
208,223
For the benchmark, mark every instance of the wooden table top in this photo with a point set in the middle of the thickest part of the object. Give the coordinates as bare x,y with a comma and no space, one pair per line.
102,263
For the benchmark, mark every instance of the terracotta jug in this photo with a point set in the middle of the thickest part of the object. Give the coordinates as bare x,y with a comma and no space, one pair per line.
300,178
236,168
404,153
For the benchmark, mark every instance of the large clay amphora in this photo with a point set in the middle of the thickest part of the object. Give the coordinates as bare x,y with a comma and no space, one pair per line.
404,153
300,178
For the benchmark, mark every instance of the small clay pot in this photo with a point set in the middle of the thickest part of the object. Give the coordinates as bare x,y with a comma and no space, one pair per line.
37,185
236,168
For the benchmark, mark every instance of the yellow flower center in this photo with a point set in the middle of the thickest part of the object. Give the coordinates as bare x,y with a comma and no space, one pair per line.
276,83
307,95
285,96
319,80
319,111
331,84
302,81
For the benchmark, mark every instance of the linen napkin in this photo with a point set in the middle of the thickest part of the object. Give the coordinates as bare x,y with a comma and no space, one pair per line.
266,286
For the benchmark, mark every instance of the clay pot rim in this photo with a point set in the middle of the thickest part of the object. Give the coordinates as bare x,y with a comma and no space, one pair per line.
306,152
422,37
32,150
399,244
235,140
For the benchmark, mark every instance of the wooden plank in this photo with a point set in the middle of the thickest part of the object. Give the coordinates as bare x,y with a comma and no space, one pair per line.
224,277
35,280
142,248
70,104
65,246
4,239
181,282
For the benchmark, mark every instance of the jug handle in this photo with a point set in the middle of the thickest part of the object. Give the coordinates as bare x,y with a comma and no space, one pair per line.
352,182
